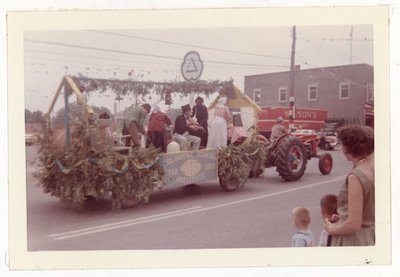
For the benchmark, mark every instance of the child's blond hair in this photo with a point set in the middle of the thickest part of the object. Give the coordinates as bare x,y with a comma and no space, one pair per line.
302,216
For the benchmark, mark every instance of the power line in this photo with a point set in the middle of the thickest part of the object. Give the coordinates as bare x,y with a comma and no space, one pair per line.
95,68
142,54
88,56
48,65
102,49
134,64
131,63
192,45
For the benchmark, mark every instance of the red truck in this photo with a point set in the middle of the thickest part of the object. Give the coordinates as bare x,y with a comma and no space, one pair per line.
305,118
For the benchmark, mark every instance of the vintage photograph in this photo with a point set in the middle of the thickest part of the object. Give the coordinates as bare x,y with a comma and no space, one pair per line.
198,138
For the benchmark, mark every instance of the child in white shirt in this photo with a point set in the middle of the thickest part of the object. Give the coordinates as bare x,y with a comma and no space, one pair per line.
303,237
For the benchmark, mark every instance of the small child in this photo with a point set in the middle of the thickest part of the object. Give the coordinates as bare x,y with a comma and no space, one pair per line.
328,205
303,237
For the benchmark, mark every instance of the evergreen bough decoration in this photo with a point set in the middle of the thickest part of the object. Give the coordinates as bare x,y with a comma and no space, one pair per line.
145,87
255,156
88,169
235,163
231,166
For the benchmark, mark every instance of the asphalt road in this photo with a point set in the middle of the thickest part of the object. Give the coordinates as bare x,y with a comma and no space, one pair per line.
257,215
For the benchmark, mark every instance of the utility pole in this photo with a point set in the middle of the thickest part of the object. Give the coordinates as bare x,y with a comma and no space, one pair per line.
119,98
351,44
291,90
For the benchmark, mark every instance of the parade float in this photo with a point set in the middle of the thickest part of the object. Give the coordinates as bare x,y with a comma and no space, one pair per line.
83,160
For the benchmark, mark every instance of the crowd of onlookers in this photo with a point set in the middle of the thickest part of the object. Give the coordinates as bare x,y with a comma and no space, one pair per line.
349,217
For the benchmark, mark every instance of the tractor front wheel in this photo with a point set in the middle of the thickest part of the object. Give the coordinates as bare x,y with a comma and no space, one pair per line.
325,163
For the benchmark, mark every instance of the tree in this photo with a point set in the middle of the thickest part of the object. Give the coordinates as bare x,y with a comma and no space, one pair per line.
28,115
37,117
33,117
77,113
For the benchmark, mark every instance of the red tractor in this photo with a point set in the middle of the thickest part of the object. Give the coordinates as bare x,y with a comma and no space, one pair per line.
290,153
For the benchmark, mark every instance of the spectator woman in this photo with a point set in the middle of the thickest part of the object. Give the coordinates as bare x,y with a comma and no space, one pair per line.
356,202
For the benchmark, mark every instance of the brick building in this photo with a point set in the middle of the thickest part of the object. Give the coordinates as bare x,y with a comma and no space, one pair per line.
346,91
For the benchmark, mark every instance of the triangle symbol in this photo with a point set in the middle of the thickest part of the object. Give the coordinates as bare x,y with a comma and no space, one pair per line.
191,66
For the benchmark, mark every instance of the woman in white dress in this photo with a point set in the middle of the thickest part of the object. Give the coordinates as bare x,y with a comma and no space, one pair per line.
218,131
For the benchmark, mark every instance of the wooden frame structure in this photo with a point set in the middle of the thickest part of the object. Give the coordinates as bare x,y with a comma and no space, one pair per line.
67,80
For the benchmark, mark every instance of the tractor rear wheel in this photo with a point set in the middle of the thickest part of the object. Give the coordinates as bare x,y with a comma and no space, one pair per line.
291,159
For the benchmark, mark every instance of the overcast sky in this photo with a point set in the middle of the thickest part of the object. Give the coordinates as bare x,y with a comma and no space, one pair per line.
156,55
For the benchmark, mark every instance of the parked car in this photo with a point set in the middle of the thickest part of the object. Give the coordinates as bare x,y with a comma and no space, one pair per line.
328,140
31,139
305,132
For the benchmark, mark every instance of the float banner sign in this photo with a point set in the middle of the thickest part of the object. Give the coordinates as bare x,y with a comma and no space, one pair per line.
190,167
192,66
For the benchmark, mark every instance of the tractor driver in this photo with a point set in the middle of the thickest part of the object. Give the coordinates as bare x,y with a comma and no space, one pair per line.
278,129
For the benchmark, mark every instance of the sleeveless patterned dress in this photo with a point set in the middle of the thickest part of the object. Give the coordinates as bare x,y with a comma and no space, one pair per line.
366,235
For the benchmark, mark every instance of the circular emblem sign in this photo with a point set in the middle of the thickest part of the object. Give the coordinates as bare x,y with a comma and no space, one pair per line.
191,168
192,66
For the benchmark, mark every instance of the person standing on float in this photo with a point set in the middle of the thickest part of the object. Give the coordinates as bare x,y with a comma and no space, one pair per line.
158,123
200,114
134,119
218,132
